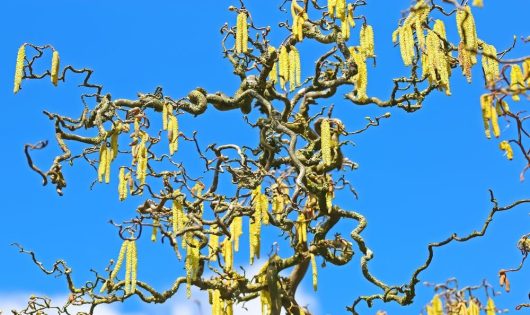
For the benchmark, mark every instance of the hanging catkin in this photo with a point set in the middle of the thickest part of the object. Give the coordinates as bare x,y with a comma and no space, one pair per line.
367,40
255,224
516,82
55,67
507,148
314,270
273,74
325,141
19,68
241,33
284,66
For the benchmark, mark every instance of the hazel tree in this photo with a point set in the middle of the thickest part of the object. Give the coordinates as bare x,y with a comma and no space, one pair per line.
287,179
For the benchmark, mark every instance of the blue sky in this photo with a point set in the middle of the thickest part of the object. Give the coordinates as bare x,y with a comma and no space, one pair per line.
422,176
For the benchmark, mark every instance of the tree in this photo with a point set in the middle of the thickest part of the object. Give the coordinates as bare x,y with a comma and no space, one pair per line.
288,178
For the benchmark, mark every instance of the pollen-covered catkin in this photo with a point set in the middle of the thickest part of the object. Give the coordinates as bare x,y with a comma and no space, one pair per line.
241,33
102,166
273,74
367,40
173,134
128,267
526,71
255,225
114,144
164,115
516,82
315,271
507,148
301,228
192,262
19,68
216,302
361,78
122,184
284,66
236,229
486,106
228,253
465,59
325,141
134,266
490,307
341,9
331,7
213,244
406,42
478,3
121,257
55,67
299,16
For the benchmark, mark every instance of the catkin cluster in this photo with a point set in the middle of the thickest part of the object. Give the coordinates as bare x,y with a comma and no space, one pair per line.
55,67
436,63
290,67
220,306
259,215
19,68
241,33
507,148
516,82
299,17
337,9
361,78
127,253
489,116
490,65
413,23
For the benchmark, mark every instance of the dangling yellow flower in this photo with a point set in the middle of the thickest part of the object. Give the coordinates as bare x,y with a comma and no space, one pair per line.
516,81
367,41
55,67
241,33
506,147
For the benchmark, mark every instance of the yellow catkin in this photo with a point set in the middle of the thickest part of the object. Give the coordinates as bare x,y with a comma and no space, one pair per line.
122,184
490,65
242,33
516,81
478,3
55,67
164,115
19,68
349,17
436,61
236,229
192,263
173,134
485,104
255,225
156,224
315,271
216,303
121,257
494,122
228,253
102,166
341,10
345,29
367,40
108,161
437,305
502,108
134,266
526,71
284,66
273,74
490,307
114,145
301,227
361,78
178,217
229,308
331,7
406,42
325,141
213,244
264,207
419,16
507,148
128,267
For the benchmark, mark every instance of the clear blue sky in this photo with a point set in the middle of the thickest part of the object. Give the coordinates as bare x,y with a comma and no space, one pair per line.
422,176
